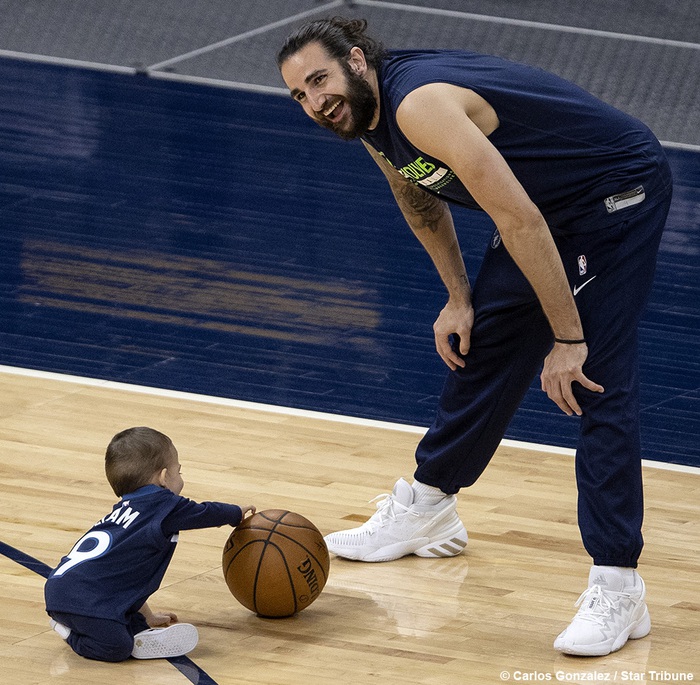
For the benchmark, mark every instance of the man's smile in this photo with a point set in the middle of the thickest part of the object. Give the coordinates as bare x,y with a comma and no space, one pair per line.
329,111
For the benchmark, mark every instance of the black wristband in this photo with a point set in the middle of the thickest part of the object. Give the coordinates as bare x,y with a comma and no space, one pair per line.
564,341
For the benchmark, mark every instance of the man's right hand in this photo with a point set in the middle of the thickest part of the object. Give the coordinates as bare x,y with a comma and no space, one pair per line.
456,318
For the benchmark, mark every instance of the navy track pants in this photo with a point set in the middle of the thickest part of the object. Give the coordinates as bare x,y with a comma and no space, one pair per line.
509,341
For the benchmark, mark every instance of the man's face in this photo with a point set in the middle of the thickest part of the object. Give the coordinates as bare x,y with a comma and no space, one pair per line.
333,93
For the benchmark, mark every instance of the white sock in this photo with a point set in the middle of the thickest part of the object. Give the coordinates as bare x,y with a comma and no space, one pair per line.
63,631
628,574
426,494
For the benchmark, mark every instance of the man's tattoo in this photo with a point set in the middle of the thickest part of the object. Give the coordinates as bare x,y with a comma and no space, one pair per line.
426,208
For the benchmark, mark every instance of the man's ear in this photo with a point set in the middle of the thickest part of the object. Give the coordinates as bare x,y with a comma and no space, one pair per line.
357,61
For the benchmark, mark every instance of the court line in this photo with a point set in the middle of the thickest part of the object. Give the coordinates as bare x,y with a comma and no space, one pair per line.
247,34
25,560
525,23
301,413
680,146
66,62
220,83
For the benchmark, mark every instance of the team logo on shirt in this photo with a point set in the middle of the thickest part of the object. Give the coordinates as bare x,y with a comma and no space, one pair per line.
495,239
582,265
424,173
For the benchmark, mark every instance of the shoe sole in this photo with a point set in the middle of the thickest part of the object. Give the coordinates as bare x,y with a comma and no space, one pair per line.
175,640
450,544
635,631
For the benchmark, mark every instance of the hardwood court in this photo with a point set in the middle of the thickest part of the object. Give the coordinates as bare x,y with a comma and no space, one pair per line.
495,609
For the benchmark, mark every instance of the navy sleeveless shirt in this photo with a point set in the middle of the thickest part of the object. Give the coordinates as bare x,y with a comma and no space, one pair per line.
584,163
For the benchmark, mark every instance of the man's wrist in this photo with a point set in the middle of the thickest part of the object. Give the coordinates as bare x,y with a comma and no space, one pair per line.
570,341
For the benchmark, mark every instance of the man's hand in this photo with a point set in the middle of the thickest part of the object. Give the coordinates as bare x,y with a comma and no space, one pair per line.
563,366
457,318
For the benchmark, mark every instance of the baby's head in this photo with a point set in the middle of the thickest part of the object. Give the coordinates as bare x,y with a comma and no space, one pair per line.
141,456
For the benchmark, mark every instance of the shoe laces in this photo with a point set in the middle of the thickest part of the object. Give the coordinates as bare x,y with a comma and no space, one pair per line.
599,603
388,509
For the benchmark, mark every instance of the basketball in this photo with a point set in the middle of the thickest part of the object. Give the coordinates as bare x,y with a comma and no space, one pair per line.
276,563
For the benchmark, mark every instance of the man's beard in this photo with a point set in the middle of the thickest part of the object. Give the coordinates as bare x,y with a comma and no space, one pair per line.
363,106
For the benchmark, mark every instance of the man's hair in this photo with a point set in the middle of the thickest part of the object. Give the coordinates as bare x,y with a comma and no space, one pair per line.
338,36
134,456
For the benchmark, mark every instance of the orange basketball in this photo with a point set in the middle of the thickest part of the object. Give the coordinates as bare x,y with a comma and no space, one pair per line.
276,563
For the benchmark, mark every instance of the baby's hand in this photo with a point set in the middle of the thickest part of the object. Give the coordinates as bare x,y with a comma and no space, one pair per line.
161,619
247,509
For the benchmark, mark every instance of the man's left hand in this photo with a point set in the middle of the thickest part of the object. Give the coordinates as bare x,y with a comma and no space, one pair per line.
563,366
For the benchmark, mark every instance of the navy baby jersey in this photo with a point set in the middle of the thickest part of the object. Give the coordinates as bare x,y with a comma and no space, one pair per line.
113,569
579,159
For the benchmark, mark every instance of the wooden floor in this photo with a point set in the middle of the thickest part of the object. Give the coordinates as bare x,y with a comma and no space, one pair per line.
494,610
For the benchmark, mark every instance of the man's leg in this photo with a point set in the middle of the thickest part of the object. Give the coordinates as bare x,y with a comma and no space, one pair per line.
608,459
509,340
478,401
620,267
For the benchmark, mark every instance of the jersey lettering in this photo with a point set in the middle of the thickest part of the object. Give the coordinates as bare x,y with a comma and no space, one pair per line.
127,518
124,516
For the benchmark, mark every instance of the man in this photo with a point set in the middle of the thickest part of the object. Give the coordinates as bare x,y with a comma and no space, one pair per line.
579,194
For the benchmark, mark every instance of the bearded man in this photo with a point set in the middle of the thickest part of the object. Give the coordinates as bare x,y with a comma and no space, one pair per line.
579,194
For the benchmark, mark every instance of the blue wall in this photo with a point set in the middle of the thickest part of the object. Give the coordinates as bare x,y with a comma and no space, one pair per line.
216,241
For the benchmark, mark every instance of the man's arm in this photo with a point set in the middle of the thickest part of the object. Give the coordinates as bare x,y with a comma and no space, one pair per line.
431,221
457,118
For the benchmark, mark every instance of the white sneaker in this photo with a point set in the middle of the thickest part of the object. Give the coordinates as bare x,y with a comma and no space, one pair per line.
610,612
400,527
161,643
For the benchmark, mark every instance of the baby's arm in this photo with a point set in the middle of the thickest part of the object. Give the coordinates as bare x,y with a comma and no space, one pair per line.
189,515
162,619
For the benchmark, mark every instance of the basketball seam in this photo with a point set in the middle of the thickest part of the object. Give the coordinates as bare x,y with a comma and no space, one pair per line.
267,543
287,537
260,562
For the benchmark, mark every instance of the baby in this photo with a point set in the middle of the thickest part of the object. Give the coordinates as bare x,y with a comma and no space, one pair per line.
96,596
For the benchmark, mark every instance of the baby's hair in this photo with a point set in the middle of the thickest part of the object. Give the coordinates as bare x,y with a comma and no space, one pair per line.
133,457
338,36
